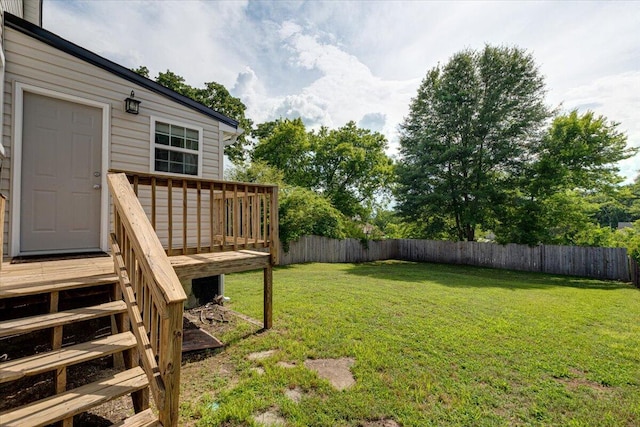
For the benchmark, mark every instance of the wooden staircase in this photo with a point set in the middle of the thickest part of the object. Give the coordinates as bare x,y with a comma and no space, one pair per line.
63,323
133,298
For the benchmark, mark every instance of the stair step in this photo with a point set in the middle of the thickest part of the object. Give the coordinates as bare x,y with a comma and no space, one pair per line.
49,320
44,362
141,419
78,400
34,287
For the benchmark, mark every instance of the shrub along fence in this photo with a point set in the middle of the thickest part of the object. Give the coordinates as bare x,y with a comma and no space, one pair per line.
597,263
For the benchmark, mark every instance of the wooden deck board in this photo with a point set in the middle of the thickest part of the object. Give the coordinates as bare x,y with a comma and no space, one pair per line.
43,362
46,273
24,325
75,401
212,264
142,419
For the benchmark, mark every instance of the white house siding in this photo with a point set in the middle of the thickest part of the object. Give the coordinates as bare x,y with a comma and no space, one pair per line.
32,62
14,7
32,10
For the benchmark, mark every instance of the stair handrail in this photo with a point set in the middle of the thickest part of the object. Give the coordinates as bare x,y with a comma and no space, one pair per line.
153,293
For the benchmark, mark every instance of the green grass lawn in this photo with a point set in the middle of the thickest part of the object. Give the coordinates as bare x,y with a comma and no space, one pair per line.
433,345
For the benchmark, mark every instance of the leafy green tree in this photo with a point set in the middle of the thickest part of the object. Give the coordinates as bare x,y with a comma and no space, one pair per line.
582,151
348,165
633,199
258,172
285,146
570,186
471,129
176,83
142,70
303,212
215,96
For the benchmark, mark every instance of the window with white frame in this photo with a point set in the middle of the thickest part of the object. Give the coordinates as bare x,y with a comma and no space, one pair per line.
176,148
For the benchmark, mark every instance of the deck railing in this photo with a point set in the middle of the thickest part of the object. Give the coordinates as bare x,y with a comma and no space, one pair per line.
153,294
193,215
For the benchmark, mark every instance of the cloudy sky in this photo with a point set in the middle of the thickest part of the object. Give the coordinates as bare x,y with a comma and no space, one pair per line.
335,61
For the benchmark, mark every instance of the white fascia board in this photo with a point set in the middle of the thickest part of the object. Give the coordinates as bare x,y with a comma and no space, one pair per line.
230,134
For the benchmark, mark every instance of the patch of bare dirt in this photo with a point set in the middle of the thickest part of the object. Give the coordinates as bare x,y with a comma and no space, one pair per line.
579,379
261,355
336,371
270,418
211,317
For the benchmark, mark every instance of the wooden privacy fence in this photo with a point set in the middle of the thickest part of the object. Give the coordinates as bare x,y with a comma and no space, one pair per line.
598,263
324,249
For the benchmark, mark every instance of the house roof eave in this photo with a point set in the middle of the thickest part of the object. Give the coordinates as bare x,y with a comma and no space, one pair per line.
73,49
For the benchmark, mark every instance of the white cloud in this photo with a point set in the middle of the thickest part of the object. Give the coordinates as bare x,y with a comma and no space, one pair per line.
345,89
331,62
161,35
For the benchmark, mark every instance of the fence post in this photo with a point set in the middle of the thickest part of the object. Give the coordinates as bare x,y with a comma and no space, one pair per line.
634,270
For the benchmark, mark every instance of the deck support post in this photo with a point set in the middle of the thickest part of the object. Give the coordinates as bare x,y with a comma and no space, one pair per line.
268,297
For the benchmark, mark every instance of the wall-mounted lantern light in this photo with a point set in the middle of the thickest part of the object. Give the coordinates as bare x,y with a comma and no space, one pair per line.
132,105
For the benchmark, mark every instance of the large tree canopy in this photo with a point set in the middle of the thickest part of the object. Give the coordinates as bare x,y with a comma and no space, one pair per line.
348,165
570,185
471,128
215,96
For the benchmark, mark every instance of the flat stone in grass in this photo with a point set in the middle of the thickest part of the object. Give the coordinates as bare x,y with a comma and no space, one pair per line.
258,370
270,418
336,371
261,355
294,394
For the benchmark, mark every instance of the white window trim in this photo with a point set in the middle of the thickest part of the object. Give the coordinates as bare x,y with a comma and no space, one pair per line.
153,146
16,160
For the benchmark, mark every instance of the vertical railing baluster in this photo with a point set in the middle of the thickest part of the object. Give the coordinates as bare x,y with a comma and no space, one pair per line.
224,217
274,239
154,329
199,215
236,217
170,214
135,184
153,202
245,216
211,204
264,219
256,217
184,216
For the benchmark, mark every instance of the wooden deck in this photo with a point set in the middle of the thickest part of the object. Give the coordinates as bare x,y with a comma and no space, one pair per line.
34,277
45,274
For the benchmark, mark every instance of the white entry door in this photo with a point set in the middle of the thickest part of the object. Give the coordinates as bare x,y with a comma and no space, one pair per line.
61,176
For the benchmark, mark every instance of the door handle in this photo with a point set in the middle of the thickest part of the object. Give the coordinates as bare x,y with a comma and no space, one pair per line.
97,186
